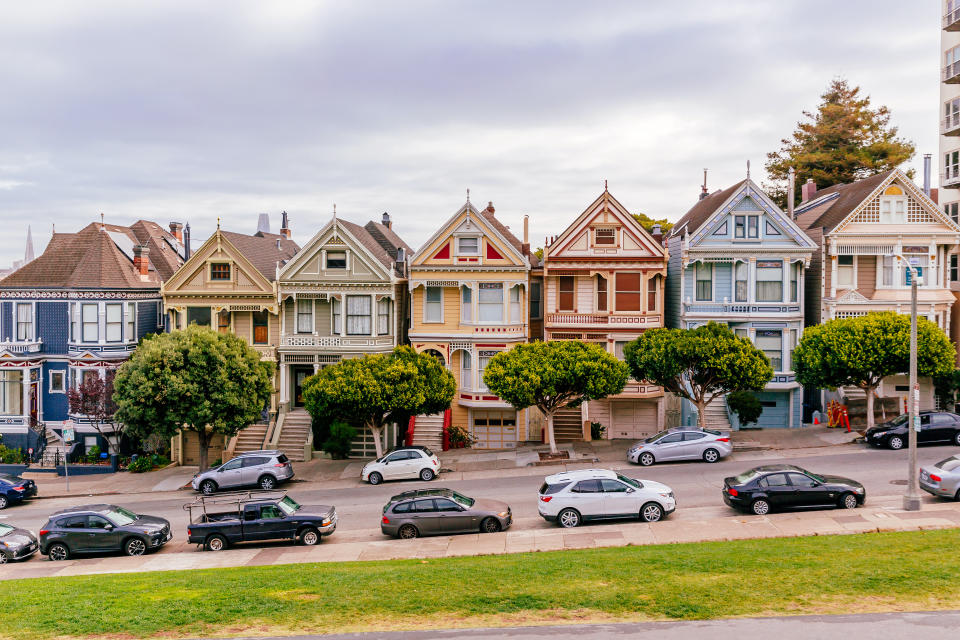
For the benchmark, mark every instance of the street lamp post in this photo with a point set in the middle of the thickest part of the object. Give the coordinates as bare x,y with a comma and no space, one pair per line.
911,499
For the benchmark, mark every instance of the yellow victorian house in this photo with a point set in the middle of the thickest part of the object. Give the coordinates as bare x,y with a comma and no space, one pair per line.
469,288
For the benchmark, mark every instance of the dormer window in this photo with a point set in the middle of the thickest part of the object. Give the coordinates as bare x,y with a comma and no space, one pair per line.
220,271
893,206
606,236
336,260
468,246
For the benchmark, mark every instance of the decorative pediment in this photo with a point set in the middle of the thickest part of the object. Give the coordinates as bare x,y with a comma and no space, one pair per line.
468,239
852,296
309,265
897,201
194,276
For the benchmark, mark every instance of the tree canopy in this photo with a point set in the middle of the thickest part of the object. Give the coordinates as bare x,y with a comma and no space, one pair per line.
195,379
843,141
375,390
553,375
647,222
861,351
94,399
699,364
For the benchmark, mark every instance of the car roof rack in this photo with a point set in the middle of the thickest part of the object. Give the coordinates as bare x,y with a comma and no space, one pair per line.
231,498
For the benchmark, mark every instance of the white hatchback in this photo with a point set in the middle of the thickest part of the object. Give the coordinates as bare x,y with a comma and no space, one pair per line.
402,464
574,497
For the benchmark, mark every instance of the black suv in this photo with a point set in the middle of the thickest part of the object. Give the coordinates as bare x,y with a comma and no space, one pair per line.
935,426
101,528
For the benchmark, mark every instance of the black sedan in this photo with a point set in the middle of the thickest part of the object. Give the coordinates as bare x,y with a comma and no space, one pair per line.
101,528
935,427
784,486
16,544
14,489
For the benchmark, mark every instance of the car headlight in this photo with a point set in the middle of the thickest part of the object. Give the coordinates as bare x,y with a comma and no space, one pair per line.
326,522
858,489
4,544
668,495
503,514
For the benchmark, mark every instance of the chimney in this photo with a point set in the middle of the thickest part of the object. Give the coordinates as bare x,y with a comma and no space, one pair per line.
141,260
186,242
285,226
176,230
401,263
386,220
278,244
808,190
926,174
263,223
791,190
490,208
657,233
703,189
525,246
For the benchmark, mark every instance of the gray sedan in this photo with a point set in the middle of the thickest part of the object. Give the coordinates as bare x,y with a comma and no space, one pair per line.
442,512
685,443
16,544
943,478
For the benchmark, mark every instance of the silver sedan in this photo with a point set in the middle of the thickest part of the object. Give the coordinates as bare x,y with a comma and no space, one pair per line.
943,478
688,443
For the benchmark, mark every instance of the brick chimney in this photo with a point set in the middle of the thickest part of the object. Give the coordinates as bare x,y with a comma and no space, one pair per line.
525,245
490,208
176,230
386,220
808,190
141,260
285,226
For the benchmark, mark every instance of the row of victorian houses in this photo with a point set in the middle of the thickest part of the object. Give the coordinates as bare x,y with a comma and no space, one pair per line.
471,291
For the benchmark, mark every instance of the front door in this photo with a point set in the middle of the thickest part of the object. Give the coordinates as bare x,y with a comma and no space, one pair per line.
299,375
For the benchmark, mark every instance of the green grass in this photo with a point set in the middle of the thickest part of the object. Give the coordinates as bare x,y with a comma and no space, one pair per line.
828,574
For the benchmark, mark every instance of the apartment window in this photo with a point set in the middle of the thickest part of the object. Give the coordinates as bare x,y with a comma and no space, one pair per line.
794,282
565,297
953,210
433,308
920,263
771,343
223,321
536,293
740,282
844,271
886,274
336,315
75,321
24,321
305,316
606,236
618,348
769,280
114,323
11,392
359,320
383,316
515,315
220,271
629,291
468,246
466,370
131,319
753,226
336,260
951,165
953,267
90,322
466,304
951,113
652,291
490,302
58,382
601,293
704,273
740,226
261,327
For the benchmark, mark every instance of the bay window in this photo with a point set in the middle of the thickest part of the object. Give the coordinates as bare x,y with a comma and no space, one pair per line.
794,282
740,282
490,302
566,296
770,341
383,316
845,271
601,293
466,370
515,315
482,361
466,304
11,392
24,321
305,315
131,313
769,281
433,306
89,319
704,274
652,291
114,322
358,315
629,291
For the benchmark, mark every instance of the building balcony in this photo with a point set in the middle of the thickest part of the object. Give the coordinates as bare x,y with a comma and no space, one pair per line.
745,308
604,320
950,126
480,398
113,350
305,342
950,179
33,346
951,21
951,73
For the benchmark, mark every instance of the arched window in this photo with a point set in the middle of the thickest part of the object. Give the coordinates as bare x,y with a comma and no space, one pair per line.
893,205
466,370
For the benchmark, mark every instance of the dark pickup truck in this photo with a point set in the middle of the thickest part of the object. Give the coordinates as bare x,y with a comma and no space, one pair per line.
224,519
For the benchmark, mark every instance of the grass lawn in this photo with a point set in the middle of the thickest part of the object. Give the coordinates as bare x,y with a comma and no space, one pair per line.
828,574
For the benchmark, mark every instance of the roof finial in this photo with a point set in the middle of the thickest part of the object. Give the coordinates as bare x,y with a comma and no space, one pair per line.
334,210
604,185
218,223
468,195
748,169
101,221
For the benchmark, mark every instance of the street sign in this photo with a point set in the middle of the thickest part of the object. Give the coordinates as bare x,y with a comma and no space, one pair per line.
916,424
68,433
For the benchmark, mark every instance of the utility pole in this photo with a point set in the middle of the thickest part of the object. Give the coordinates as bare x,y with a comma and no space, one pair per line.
911,499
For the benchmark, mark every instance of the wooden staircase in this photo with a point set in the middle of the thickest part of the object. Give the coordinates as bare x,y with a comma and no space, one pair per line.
250,438
428,431
294,432
568,425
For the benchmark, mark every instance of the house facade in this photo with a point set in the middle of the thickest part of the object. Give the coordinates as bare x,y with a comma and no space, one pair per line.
737,259
604,278
860,228
76,311
470,300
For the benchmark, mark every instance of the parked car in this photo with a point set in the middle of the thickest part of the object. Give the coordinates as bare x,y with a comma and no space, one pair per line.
99,528
412,514
687,443
935,426
402,463
14,489
219,521
264,469
16,544
943,478
784,486
574,497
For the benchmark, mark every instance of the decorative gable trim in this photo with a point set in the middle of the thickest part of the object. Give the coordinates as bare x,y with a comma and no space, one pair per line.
913,191
853,296
201,260
447,230
341,238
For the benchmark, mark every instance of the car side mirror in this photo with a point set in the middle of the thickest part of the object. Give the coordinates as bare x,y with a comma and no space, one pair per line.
629,490
109,527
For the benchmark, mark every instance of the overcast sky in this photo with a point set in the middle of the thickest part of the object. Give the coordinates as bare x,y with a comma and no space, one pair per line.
193,110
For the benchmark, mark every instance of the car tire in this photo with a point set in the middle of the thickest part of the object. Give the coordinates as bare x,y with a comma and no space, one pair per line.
895,443
569,518
711,455
651,512
3,558
267,482
956,438
849,501
408,532
646,459
3,502
134,547
957,496
208,487
216,542
490,525
310,537
57,552
374,478
427,475
760,507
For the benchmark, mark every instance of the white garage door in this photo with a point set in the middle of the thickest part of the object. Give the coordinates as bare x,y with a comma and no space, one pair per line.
633,418
495,429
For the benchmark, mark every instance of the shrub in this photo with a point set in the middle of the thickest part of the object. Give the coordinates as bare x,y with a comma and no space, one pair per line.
11,456
140,465
597,430
745,405
338,441
94,454
459,437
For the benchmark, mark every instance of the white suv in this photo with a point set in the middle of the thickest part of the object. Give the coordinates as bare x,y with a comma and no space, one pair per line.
402,463
573,497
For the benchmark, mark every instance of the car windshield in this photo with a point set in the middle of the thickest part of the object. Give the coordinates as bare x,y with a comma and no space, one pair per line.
896,422
6,477
288,505
630,481
462,500
121,517
5,529
659,435
950,464
815,476
746,476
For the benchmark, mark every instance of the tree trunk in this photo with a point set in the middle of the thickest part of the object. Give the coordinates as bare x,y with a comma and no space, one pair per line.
701,413
377,431
869,392
550,437
204,444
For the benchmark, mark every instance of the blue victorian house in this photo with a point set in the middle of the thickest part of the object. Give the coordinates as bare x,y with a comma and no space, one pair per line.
77,311
736,258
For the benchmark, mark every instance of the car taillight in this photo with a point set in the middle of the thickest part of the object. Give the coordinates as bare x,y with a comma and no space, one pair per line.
44,532
386,520
19,488
189,532
723,439
935,478
546,498
280,464
436,462
732,491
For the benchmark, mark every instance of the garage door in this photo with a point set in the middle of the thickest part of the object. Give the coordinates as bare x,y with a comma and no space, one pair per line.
495,429
633,418
776,410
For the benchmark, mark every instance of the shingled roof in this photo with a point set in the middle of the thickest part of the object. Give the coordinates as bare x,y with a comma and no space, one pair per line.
699,212
263,251
833,210
379,240
489,215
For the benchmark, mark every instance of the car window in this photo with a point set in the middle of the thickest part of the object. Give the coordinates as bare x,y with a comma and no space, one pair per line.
776,480
233,464
97,522
6,477
424,506
746,476
251,513
396,457
282,458
942,419
5,529
800,480
550,489
403,507
950,464
673,437
74,522
636,484
288,505
613,486
270,512
445,504
255,461
924,420
463,500
587,486
693,435
427,452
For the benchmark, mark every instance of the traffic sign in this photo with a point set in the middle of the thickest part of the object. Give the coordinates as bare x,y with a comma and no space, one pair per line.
68,433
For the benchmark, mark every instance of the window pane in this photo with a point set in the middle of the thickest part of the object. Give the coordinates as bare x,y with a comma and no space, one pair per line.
769,281
358,315
220,271
514,295
305,316
468,246
466,304
11,392
91,330
740,295
753,226
565,301
629,292
704,281
771,343
606,236
490,302
535,294
336,260
601,293
383,316
434,302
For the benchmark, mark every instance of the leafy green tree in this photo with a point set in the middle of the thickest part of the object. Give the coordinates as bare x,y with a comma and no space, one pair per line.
647,222
745,405
700,364
376,390
862,351
196,379
947,387
553,375
843,141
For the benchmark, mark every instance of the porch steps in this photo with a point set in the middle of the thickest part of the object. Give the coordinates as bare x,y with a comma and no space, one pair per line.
568,425
428,431
250,438
294,432
715,415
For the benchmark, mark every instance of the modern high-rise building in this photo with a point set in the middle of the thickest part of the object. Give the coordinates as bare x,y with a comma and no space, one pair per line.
949,158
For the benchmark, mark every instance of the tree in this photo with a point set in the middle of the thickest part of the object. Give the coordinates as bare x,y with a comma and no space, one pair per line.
745,405
376,390
647,223
196,379
553,375
844,141
94,399
862,351
700,364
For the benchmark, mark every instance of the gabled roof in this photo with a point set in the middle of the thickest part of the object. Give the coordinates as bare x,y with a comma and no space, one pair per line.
823,212
698,213
489,218
387,239
262,250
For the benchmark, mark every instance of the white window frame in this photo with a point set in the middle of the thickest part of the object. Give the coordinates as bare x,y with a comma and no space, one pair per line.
596,236
297,314
481,305
753,222
346,260
466,303
57,373
696,279
437,305
84,323
466,370
745,281
853,272
383,316
30,325
116,323
893,209
359,316
463,252
515,305
130,321
336,316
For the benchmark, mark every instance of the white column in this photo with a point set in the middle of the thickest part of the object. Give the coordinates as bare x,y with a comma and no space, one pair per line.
284,392
785,290
833,276
752,280
25,392
343,315
373,314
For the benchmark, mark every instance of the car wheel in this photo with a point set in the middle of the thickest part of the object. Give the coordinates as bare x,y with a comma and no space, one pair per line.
760,507
490,525
309,537
896,442
426,475
651,512
374,478
208,487
58,552
267,483
3,558
957,497
568,518
956,438
711,455
135,547
3,502
646,459
848,501
408,532
216,542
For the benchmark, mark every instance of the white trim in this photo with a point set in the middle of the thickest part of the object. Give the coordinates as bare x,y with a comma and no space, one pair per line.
63,375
